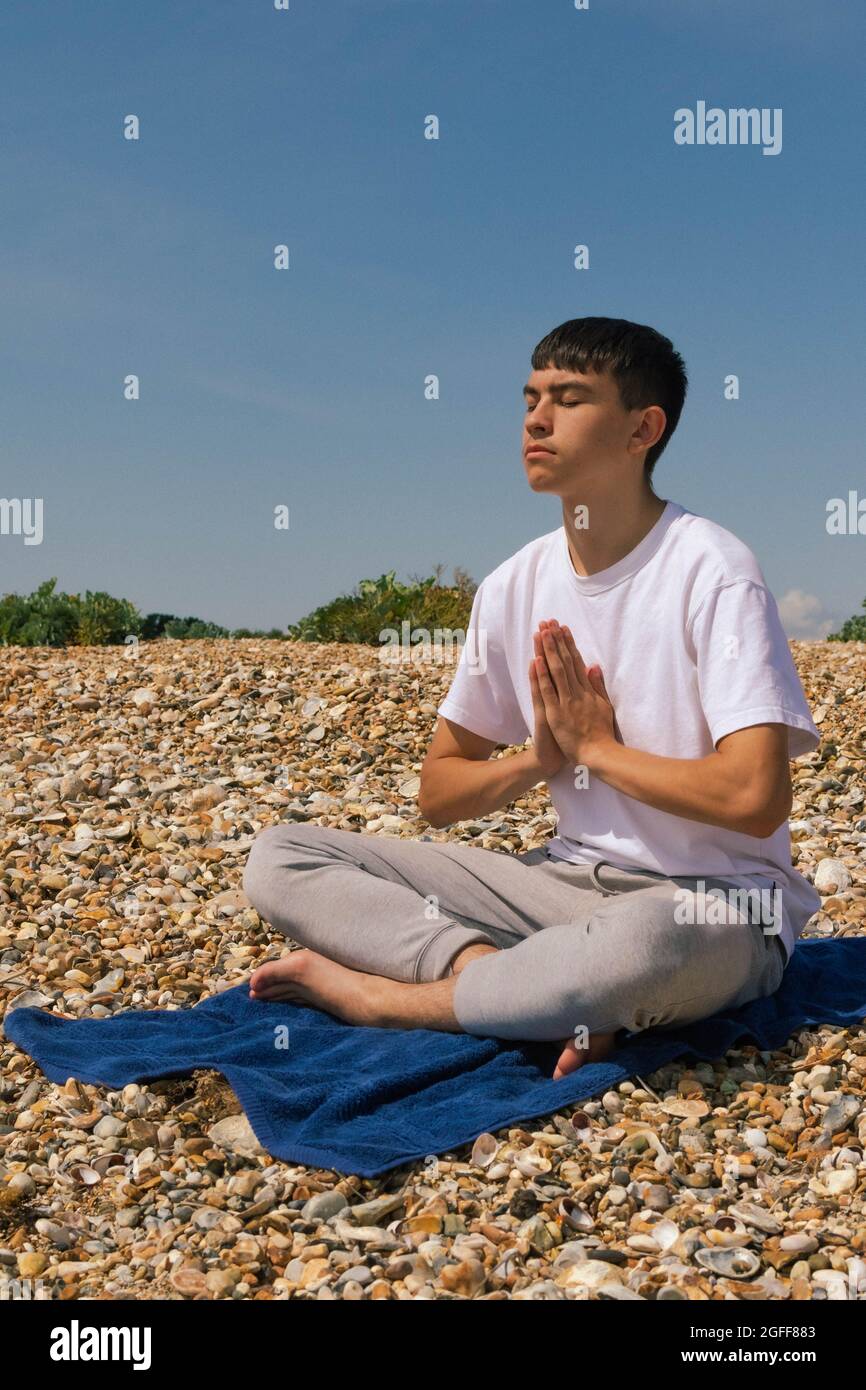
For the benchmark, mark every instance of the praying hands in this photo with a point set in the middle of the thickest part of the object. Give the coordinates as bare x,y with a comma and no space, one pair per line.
569,699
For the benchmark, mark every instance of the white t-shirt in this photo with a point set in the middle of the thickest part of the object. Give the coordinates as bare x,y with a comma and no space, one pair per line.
691,646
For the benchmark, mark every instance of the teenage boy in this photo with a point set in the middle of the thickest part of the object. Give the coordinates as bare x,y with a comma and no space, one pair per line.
640,648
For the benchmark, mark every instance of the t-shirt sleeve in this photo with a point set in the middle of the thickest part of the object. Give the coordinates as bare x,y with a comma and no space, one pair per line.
746,673
482,697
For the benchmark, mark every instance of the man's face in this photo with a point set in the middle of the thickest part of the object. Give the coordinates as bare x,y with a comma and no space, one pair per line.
579,419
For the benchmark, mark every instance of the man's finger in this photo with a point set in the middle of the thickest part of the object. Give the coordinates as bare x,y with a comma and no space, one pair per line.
557,665
578,659
534,689
565,654
546,686
570,658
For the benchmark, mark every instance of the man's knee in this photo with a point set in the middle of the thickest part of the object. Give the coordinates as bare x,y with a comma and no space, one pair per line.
267,855
692,948
671,943
258,859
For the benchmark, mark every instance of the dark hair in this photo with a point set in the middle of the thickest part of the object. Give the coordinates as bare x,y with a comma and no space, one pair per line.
646,366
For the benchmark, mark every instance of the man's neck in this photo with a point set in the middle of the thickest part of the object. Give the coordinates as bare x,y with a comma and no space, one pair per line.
602,532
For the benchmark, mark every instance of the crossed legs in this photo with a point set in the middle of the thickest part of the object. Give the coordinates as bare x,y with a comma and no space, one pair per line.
376,1001
409,934
306,881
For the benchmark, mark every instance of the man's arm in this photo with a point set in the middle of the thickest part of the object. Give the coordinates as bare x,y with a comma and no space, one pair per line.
459,782
745,785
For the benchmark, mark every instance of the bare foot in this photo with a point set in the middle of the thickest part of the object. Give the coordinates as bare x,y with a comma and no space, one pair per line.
306,977
600,1046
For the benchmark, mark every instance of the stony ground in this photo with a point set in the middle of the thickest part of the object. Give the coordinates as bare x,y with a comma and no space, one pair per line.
131,787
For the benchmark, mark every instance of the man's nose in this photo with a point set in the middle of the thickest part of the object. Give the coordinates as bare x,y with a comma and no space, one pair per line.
537,420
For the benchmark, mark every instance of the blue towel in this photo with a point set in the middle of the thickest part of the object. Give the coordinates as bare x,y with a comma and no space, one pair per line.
364,1100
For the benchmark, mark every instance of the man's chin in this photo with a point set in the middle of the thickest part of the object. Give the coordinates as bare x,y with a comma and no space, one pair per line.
542,482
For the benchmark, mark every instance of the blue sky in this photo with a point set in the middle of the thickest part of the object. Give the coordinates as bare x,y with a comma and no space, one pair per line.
408,257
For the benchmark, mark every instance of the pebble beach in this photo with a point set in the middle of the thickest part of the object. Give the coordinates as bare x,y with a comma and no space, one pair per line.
132,785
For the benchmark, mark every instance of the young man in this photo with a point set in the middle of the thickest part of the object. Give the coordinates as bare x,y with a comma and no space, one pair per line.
640,648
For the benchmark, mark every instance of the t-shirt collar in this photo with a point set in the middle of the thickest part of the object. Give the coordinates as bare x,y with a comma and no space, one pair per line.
629,564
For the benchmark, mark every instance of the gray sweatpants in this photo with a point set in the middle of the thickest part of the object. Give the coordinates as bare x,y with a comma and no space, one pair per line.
589,946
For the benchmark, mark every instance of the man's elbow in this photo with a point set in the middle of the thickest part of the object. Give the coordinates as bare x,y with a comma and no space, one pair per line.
431,816
429,811
764,816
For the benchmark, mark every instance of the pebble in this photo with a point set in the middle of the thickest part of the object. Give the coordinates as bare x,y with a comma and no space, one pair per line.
235,1133
323,1206
108,1127
831,876
22,1184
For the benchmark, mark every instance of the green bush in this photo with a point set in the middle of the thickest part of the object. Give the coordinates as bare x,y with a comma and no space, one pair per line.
48,619
51,619
852,630
386,603
103,620
154,624
194,627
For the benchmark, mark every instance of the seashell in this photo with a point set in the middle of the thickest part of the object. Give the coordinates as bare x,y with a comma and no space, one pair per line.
118,832
106,1161
665,1234
87,1121
85,1174
756,1216
483,1151
644,1244
531,1164
730,1264
683,1109
30,999
728,1234
574,1215
497,1171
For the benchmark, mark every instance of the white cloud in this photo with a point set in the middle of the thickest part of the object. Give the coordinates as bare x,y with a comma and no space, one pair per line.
803,616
